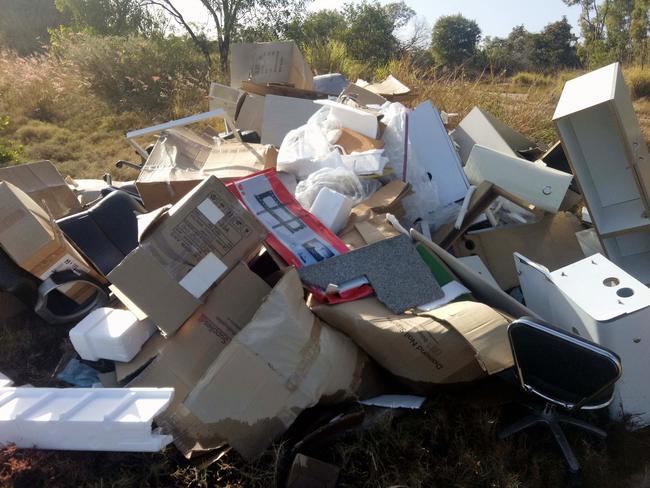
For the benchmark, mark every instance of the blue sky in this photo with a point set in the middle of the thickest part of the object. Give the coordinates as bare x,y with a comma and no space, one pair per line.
495,17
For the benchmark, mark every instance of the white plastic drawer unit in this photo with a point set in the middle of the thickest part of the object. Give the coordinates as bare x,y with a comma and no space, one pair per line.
83,419
597,300
604,143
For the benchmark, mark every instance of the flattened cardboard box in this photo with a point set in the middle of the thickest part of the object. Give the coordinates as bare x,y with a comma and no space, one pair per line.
181,159
43,183
183,252
34,242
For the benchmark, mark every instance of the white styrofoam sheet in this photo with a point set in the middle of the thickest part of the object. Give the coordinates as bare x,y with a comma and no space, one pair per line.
83,419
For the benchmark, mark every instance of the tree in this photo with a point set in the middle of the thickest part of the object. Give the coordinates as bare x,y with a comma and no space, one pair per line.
370,33
555,47
640,30
322,26
111,17
454,39
24,24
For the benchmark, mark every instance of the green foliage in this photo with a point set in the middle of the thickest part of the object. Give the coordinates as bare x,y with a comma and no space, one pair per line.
552,49
638,79
454,40
156,76
369,35
333,57
111,17
24,24
10,152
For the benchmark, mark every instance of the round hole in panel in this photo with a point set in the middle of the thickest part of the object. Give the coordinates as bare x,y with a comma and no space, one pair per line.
625,292
575,331
470,245
547,190
611,282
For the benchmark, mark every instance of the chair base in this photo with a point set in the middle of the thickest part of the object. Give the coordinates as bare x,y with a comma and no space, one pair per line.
552,418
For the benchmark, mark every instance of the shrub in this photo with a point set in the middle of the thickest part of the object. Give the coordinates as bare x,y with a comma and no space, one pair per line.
526,78
158,76
639,81
10,152
333,57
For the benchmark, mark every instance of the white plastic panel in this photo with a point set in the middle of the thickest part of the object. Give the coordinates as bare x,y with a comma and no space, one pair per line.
87,419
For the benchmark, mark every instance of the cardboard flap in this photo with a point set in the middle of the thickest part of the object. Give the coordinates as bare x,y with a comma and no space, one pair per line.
146,221
485,329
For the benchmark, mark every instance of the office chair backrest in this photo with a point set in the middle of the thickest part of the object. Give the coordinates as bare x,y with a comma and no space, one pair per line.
562,368
107,231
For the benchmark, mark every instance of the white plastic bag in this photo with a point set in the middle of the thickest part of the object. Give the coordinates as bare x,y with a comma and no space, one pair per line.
340,180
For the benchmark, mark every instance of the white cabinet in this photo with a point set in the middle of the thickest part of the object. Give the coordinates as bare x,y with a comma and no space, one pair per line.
597,300
604,143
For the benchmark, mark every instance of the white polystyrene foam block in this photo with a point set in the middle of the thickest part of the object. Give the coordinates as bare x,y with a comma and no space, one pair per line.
332,209
83,419
108,333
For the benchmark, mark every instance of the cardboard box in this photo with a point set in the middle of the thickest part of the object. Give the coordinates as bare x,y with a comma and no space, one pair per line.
181,159
181,360
183,252
43,183
456,343
269,62
247,363
34,242
551,241
597,300
352,141
284,361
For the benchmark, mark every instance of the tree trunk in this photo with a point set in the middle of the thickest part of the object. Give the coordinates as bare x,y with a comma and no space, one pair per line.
224,54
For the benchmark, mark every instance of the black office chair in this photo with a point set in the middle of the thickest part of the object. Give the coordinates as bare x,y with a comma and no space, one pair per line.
107,231
565,371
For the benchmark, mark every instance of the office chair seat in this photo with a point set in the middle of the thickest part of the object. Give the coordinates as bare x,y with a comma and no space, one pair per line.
566,371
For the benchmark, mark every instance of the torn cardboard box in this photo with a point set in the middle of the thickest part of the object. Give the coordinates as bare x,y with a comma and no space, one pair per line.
269,62
33,240
183,252
181,159
43,183
456,343
181,360
551,242
284,361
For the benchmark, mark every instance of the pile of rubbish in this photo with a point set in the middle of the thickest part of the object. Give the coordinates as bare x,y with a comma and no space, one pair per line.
330,246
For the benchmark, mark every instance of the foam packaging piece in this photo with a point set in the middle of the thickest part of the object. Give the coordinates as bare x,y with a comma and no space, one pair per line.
83,419
397,273
108,333
332,209
5,381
